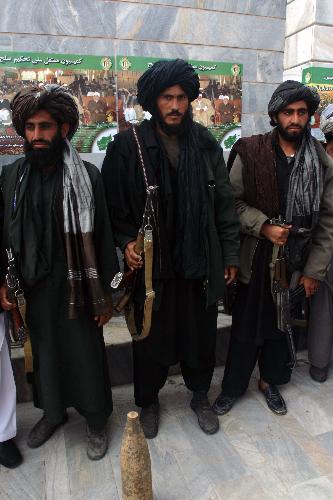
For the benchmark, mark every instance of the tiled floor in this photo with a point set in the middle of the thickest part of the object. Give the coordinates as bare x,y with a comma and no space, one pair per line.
256,455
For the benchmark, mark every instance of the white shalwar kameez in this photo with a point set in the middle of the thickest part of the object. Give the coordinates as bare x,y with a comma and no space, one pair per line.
7,389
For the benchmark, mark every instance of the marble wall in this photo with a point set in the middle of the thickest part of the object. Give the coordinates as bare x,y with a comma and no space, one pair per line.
250,32
309,36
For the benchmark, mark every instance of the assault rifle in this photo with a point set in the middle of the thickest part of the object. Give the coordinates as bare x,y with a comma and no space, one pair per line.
285,298
18,331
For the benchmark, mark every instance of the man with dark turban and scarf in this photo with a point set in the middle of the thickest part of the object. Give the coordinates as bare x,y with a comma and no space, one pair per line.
195,234
57,225
283,183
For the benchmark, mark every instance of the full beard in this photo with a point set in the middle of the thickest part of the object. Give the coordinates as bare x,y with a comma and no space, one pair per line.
44,158
290,137
179,129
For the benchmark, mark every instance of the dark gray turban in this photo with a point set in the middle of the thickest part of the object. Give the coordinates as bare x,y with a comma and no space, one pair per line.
292,91
51,98
164,74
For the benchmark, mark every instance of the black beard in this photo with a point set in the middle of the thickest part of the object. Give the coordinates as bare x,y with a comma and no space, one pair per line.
288,136
46,157
179,129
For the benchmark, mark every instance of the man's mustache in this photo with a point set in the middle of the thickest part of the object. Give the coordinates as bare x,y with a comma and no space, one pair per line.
175,113
41,141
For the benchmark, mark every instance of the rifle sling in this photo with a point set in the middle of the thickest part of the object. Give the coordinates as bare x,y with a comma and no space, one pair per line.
148,260
28,361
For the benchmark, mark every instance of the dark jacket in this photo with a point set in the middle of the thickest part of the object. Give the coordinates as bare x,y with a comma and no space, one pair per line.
126,198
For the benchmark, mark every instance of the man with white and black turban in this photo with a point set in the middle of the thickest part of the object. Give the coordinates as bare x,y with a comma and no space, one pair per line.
320,332
195,234
57,225
284,175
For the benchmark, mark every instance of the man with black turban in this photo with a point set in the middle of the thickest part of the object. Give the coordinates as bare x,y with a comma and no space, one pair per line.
283,182
190,209
57,225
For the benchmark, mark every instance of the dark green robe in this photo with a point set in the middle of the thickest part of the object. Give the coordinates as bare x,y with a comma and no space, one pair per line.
70,367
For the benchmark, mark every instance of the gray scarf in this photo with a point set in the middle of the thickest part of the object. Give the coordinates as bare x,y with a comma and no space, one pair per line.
306,182
85,287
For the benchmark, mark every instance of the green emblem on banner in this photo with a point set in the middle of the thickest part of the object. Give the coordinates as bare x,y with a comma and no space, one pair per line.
125,64
106,63
308,77
228,143
103,143
235,70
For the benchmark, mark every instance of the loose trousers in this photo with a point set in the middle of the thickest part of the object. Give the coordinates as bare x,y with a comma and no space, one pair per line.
272,359
150,376
7,390
320,332
184,330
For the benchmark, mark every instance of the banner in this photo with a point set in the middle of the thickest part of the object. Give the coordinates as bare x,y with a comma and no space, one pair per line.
89,79
322,79
105,88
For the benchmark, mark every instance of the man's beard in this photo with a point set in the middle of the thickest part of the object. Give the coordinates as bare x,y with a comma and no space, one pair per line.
177,129
52,156
290,136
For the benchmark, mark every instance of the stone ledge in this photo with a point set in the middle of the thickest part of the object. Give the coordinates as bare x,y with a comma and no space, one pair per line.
119,354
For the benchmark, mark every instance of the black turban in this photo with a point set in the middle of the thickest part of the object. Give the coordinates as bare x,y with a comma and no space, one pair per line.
164,74
51,98
292,91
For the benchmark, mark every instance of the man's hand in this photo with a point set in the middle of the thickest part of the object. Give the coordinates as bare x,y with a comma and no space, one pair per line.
276,234
102,319
230,274
5,304
133,260
310,285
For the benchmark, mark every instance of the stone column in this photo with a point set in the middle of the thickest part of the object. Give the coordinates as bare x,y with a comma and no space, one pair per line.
309,36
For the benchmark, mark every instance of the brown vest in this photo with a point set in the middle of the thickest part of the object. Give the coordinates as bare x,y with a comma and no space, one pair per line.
259,175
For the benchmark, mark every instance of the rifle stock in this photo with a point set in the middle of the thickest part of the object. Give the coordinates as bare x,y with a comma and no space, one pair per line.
129,278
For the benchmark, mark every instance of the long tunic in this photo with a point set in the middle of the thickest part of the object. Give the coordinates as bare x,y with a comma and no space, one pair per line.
70,367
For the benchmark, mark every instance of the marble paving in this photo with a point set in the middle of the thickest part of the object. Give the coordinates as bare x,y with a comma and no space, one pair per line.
256,455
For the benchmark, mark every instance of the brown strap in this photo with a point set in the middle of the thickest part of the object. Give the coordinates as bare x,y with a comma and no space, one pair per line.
28,360
150,294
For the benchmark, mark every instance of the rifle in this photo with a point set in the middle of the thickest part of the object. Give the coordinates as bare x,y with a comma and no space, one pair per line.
284,297
18,330
128,280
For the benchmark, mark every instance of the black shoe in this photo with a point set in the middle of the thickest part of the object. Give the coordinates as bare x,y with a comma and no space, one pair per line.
207,419
274,399
97,444
318,374
149,420
42,431
223,404
10,455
